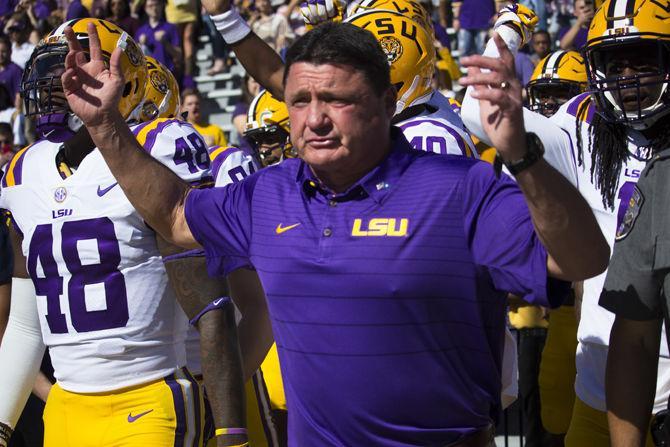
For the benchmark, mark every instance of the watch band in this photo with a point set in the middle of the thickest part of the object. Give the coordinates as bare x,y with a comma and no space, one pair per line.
534,153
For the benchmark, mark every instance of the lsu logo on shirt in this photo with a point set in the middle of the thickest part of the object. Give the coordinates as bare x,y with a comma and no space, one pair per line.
380,227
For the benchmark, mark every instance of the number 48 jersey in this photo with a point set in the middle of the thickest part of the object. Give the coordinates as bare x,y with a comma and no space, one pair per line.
107,313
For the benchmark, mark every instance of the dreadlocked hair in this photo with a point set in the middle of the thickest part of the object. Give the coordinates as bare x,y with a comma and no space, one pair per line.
609,151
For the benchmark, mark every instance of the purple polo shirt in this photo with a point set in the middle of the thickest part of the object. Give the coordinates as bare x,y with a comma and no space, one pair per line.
476,14
155,48
10,77
389,332
580,38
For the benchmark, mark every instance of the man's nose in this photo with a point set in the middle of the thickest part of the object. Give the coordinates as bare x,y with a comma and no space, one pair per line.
317,116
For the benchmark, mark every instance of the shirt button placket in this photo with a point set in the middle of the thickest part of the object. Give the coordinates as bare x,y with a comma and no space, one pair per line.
327,232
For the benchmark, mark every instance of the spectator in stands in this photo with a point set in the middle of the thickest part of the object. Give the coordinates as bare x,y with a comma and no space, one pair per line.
76,10
184,15
18,30
270,26
38,12
574,37
219,48
159,38
10,115
250,89
541,44
10,73
118,12
6,154
473,19
295,18
190,103
524,67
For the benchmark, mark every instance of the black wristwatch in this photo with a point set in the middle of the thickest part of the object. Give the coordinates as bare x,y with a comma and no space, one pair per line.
534,153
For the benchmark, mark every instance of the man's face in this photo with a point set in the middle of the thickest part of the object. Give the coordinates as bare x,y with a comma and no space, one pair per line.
551,97
5,53
541,45
336,117
154,9
625,64
191,105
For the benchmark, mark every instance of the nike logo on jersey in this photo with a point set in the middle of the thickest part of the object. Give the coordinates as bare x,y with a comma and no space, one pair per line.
217,302
132,418
280,229
102,192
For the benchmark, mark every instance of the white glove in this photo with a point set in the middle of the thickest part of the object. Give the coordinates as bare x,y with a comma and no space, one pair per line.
520,18
315,12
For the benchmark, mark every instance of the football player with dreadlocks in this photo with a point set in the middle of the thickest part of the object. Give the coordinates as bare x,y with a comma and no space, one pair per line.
601,141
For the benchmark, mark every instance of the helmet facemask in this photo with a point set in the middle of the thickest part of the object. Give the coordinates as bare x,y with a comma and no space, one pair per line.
271,142
43,95
547,96
637,100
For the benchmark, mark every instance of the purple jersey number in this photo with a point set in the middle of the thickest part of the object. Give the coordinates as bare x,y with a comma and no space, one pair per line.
105,272
625,193
194,155
431,142
238,173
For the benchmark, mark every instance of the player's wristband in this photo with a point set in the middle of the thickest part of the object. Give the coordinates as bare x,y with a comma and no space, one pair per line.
231,26
230,431
216,304
195,253
5,433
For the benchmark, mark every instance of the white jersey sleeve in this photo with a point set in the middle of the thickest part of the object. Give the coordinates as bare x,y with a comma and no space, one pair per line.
557,141
231,164
177,145
438,129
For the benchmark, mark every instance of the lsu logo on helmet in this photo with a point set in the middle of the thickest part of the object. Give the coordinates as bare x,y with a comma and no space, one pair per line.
161,94
640,28
409,49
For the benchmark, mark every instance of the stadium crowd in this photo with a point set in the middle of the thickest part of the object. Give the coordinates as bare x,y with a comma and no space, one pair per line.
307,236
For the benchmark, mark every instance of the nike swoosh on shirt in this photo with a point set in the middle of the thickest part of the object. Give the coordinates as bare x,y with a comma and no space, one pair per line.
102,192
216,302
280,229
132,418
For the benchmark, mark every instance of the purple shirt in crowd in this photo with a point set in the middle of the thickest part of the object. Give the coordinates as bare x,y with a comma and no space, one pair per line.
156,48
388,300
10,77
524,66
76,11
476,14
580,38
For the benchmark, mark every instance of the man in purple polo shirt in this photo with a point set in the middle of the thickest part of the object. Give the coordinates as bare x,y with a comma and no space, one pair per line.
385,268
159,38
10,73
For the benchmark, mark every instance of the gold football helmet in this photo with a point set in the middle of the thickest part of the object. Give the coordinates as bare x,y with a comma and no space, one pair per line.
556,78
628,60
268,129
408,8
410,52
41,86
161,94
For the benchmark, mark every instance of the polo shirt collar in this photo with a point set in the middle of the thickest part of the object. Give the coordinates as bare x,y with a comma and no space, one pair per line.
376,184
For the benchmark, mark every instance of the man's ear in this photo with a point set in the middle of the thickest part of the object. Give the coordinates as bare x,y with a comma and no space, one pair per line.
390,98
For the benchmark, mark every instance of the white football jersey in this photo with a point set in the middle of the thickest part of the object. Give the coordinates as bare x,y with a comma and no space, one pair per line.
107,313
559,137
438,129
228,165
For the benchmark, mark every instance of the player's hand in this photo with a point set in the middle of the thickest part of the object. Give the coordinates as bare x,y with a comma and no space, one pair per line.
92,90
499,93
319,11
520,18
215,7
